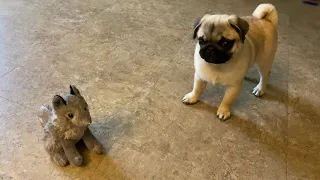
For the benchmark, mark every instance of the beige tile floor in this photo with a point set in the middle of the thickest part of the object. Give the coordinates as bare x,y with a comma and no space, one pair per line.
132,60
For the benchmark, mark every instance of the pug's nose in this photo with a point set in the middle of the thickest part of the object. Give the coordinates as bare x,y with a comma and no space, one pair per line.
209,49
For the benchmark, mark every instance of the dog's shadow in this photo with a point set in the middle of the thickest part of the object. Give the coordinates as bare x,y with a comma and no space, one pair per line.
276,142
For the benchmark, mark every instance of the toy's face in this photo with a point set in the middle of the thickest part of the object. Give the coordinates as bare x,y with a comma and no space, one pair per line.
72,108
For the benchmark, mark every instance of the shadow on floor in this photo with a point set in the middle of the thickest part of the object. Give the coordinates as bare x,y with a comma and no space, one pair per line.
96,166
273,142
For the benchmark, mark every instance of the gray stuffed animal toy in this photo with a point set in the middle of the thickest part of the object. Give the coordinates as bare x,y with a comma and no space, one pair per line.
64,125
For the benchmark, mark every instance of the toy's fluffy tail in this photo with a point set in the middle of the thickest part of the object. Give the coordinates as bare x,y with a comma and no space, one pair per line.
44,115
267,12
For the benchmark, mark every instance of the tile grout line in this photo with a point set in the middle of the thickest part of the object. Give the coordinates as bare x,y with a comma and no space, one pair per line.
17,103
10,71
174,56
95,169
10,99
161,72
288,101
184,42
151,88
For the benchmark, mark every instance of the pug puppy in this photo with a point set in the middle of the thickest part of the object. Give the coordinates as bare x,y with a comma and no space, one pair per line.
227,47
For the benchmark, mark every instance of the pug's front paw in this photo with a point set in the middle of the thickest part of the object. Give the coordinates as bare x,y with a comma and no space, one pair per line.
189,99
223,113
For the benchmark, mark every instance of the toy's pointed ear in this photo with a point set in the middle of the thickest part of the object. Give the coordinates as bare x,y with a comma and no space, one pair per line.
58,102
74,90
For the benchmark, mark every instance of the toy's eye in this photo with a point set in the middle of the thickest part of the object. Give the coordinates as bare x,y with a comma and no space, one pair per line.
70,115
85,108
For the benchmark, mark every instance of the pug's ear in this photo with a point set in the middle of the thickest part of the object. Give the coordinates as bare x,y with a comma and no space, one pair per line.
196,25
58,102
74,90
240,25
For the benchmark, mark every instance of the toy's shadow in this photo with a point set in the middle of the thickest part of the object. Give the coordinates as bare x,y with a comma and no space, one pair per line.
85,153
94,166
107,129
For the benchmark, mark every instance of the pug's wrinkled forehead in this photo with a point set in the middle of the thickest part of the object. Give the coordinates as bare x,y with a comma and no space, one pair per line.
214,27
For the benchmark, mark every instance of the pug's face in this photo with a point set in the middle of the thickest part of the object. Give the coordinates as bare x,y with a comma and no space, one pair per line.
219,36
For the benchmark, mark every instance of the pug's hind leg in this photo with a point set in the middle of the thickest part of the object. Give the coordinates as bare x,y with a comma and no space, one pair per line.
264,73
198,87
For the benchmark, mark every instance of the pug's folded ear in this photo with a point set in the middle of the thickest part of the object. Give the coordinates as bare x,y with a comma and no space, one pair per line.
196,25
240,25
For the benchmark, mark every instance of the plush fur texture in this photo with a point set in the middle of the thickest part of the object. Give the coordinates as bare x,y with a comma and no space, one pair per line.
64,124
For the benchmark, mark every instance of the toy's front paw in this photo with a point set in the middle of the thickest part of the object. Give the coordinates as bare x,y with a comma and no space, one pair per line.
98,149
77,161
60,160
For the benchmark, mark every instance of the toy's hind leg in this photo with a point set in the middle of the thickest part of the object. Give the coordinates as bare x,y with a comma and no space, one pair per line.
54,148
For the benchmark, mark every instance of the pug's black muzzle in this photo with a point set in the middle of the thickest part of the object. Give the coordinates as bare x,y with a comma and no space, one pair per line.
213,53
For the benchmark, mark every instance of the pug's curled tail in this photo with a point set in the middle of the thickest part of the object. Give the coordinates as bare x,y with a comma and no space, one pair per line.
267,12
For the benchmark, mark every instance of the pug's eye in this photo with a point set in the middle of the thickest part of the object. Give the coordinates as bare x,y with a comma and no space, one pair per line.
70,115
226,43
201,41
